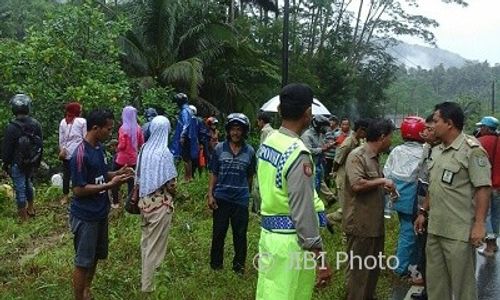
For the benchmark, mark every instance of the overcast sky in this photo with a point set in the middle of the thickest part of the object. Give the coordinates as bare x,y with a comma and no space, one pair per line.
472,32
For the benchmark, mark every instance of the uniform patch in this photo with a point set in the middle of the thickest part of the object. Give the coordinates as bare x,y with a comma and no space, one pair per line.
481,161
308,169
447,176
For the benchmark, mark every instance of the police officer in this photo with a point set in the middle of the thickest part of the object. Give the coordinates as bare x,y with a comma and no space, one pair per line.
363,210
291,210
456,205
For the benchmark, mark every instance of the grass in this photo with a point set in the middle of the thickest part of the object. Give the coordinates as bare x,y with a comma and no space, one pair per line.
36,258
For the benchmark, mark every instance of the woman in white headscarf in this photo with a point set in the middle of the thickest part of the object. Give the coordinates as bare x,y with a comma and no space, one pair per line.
156,176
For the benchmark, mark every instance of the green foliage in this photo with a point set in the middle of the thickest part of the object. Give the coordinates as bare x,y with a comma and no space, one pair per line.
416,91
160,99
72,56
17,16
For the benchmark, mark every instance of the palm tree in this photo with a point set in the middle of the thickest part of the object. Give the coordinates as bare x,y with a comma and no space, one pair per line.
170,47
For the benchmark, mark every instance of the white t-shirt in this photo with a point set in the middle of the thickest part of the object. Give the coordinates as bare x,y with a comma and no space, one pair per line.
71,135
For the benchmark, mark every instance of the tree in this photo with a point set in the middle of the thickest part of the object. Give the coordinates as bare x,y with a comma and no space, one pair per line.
72,56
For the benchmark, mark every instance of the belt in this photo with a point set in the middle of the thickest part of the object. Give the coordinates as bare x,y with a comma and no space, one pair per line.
285,222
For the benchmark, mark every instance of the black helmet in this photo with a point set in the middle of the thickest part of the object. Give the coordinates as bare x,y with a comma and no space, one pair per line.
181,99
240,119
320,121
150,113
20,104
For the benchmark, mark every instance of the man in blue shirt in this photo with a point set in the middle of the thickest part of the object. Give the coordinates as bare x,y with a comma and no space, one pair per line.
231,172
90,206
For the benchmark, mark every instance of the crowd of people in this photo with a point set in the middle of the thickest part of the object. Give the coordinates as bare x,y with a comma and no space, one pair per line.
442,183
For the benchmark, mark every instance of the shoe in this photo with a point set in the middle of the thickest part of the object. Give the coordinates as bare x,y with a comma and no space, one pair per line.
418,281
486,252
419,296
491,244
115,205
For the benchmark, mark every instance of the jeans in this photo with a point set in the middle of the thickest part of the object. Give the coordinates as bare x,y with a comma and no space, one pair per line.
22,186
228,212
407,242
493,219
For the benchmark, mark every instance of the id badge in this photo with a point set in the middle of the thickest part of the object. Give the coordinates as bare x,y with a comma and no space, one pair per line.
447,176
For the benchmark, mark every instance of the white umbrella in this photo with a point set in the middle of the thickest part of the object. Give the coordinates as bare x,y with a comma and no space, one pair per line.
317,107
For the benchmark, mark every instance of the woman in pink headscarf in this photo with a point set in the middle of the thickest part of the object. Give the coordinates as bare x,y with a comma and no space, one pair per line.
72,130
130,140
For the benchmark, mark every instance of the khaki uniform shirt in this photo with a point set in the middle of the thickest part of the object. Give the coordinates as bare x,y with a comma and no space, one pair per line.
363,213
347,146
265,132
454,173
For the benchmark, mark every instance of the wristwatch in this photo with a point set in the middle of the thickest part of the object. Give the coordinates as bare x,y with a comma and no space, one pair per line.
423,211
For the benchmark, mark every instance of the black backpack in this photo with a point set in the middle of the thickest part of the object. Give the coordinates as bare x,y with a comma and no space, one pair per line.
29,147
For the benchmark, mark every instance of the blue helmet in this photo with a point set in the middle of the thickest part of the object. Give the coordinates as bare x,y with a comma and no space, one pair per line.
489,121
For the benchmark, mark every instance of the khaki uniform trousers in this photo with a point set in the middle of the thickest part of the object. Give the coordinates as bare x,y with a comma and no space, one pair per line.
326,194
362,282
155,226
450,269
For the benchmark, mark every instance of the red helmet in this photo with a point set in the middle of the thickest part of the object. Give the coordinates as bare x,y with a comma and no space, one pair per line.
411,128
212,121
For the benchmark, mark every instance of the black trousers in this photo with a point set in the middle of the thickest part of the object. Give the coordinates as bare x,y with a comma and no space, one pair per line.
421,243
237,215
66,176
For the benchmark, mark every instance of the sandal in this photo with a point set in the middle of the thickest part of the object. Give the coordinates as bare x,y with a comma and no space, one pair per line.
486,252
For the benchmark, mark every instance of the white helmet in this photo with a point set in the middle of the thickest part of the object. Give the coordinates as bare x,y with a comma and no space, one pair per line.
193,109
57,180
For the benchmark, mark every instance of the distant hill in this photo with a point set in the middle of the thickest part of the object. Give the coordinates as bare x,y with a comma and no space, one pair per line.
425,57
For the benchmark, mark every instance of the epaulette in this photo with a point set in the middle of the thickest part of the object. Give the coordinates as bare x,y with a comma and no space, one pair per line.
472,141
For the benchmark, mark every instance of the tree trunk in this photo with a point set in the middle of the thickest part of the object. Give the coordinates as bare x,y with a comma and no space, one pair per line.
231,12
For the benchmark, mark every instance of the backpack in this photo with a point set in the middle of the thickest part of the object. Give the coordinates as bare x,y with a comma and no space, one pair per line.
29,147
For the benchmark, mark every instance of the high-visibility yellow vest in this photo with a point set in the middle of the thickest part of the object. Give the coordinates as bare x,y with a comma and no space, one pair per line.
275,157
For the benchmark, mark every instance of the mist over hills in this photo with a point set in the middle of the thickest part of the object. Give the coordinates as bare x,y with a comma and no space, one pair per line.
413,56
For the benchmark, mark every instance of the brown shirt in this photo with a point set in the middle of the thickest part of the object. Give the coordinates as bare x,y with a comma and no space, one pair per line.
363,212
341,156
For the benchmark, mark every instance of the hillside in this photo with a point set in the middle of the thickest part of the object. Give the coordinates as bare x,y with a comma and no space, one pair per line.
425,57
